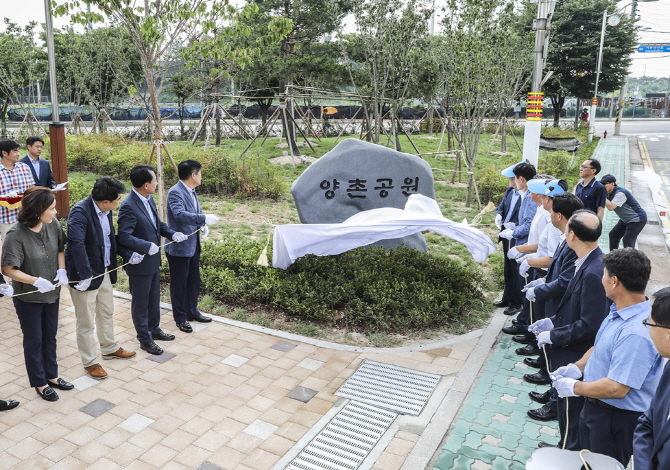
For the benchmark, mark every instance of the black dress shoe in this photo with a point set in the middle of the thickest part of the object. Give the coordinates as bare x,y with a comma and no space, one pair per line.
160,335
8,404
543,444
152,348
500,303
528,350
200,318
533,362
514,330
538,378
185,327
511,311
542,398
543,414
47,394
524,339
61,384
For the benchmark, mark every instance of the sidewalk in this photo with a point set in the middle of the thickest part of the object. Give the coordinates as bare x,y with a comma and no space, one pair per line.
238,396
492,429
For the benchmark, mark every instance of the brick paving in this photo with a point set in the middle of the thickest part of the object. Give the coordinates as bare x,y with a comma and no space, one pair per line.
222,397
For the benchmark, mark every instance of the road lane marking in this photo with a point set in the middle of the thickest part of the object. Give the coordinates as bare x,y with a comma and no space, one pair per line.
653,139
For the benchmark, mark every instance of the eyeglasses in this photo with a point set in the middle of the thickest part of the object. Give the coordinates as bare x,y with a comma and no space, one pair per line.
584,167
649,325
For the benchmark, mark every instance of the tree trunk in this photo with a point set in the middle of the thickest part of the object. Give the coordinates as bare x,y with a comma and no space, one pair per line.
3,118
181,104
157,136
577,108
431,114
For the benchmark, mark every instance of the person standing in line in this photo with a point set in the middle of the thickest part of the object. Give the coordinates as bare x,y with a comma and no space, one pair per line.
185,215
632,218
90,256
622,369
40,168
507,214
651,450
589,190
139,234
32,255
15,179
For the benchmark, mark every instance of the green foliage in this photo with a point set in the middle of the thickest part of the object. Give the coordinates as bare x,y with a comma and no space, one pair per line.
373,290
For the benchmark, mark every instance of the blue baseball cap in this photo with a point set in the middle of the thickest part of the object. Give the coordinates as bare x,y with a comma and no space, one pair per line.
509,171
546,187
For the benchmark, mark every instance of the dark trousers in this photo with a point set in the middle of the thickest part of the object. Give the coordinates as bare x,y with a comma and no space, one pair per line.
628,232
184,286
145,305
607,431
512,292
39,324
573,411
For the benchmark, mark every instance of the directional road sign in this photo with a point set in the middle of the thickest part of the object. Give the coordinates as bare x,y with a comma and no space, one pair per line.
656,47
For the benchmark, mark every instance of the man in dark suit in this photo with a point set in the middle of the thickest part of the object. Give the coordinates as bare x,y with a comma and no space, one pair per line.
651,441
506,213
185,215
571,330
91,253
39,167
140,231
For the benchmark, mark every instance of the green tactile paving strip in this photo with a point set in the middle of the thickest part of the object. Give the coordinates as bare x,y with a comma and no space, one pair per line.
611,154
493,430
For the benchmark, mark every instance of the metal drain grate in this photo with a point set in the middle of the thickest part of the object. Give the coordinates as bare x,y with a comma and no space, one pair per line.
346,440
393,388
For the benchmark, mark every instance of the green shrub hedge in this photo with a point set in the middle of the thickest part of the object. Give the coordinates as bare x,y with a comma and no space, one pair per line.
223,173
363,289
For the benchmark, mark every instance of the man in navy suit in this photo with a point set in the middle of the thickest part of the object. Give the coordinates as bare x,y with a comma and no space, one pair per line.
506,213
651,441
572,329
39,167
140,232
91,253
185,215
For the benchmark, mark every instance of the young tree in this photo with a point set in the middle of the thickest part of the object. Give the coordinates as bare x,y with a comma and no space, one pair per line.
163,31
485,66
21,68
183,84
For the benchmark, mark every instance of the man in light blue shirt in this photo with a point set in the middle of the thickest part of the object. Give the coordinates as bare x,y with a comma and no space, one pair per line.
622,370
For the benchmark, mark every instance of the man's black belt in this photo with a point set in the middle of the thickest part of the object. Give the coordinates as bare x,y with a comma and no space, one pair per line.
602,404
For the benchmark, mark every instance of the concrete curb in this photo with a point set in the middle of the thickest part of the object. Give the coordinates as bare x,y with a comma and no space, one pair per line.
419,346
427,448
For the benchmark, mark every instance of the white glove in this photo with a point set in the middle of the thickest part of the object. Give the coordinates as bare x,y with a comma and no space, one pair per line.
510,225
211,219
530,294
205,231
543,338
507,234
521,258
6,290
43,285
61,277
178,237
83,285
523,269
153,249
535,283
498,220
541,326
565,387
513,253
570,371
136,258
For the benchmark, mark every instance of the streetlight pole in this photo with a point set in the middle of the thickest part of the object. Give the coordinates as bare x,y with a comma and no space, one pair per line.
594,101
56,128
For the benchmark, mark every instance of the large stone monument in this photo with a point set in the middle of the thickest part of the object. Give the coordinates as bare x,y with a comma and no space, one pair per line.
357,176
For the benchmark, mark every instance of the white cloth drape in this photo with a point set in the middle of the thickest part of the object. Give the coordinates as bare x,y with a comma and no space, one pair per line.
420,213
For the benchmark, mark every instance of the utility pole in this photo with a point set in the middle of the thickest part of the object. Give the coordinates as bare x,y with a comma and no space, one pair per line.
533,126
622,92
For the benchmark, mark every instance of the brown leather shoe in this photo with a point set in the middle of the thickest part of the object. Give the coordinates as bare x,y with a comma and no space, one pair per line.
96,371
119,354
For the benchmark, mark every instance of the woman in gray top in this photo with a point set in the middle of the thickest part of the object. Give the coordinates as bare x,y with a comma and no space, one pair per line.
33,255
